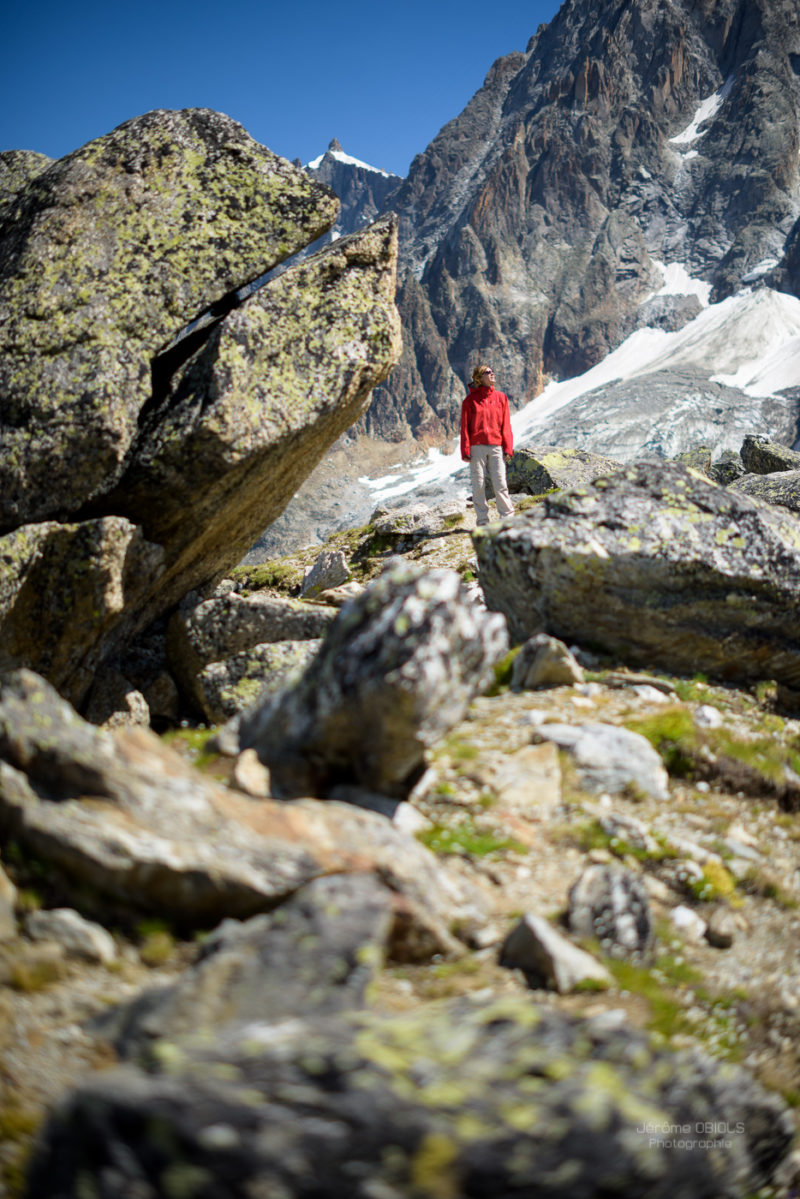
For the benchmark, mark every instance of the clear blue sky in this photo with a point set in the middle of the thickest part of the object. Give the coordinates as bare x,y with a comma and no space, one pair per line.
383,78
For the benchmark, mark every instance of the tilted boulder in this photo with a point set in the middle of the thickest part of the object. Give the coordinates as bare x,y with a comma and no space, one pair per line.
658,566
104,256
121,817
535,470
397,670
248,418
761,456
466,1098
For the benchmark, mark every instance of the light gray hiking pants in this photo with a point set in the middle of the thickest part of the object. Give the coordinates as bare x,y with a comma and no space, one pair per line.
482,457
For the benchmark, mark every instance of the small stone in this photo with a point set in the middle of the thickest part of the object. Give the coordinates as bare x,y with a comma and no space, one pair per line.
8,899
544,662
547,958
721,930
708,717
611,905
251,775
79,938
329,570
688,922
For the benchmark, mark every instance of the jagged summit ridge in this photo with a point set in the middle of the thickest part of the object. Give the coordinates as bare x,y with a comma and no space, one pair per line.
627,139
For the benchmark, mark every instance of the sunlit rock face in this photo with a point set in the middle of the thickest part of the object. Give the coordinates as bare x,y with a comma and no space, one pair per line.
537,227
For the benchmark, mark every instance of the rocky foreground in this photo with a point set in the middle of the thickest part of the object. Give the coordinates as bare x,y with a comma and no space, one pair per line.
545,933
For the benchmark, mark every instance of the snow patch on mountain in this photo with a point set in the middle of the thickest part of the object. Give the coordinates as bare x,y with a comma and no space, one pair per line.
348,160
703,116
749,343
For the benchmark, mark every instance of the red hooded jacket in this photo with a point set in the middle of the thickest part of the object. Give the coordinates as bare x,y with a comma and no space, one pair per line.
485,420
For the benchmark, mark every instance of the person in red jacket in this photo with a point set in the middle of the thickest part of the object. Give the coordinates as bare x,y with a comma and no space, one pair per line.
486,441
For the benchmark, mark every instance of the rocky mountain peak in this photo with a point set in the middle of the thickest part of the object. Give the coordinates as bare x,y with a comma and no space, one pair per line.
538,224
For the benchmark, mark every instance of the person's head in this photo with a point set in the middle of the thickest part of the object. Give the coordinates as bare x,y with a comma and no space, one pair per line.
483,375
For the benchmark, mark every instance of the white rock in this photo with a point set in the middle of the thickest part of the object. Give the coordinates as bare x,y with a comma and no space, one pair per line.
79,937
690,924
708,717
548,958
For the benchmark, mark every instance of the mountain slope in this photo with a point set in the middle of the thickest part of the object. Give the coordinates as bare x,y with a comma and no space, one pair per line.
632,139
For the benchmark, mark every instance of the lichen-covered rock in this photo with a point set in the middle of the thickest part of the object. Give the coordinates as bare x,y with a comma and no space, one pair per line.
315,955
463,1099
103,258
398,668
229,687
698,458
64,589
660,567
781,488
610,905
761,456
277,382
124,820
17,168
417,520
537,470
729,466
220,628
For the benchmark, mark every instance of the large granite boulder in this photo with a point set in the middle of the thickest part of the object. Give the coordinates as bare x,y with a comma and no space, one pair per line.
467,1098
761,456
126,823
250,415
397,670
104,257
657,566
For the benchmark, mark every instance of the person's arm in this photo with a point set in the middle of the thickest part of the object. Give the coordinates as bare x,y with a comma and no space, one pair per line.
508,436
464,433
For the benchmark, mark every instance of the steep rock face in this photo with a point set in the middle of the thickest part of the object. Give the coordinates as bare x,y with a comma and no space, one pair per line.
533,226
105,255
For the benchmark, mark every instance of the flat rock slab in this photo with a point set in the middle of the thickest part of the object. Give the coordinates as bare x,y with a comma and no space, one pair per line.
466,1098
125,819
535,471
609,758
781,488
657,566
